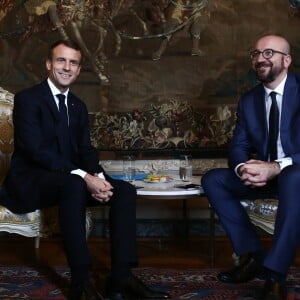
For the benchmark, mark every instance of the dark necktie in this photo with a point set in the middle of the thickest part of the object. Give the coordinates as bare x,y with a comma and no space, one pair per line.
273,127
64,123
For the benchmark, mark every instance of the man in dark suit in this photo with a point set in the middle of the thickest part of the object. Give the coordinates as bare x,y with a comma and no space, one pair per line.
54,163
271,172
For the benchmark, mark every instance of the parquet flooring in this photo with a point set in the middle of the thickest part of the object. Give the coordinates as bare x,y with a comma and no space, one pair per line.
153,252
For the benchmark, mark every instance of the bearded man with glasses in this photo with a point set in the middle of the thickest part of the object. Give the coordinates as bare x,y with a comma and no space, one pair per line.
264,162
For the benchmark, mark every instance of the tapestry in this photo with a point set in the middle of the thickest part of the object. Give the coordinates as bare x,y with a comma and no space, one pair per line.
156,74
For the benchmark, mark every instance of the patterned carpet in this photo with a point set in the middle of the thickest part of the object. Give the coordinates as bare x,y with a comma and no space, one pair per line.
191,284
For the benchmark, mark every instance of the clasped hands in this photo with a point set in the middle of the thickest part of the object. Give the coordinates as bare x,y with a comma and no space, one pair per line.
99,188
256,173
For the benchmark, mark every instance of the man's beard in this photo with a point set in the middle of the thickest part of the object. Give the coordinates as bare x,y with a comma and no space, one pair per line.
271,75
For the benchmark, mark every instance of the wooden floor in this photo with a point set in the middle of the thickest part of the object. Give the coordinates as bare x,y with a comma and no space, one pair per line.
153,252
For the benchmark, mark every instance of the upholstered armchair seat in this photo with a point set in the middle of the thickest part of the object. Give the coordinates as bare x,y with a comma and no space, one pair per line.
262,213
23,224
30,222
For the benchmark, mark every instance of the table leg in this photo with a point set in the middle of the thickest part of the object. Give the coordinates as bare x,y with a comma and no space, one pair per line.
185,218
212,235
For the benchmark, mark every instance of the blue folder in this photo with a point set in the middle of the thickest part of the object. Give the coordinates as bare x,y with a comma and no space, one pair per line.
138,176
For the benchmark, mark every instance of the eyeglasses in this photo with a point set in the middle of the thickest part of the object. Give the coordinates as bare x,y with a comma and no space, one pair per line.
267,53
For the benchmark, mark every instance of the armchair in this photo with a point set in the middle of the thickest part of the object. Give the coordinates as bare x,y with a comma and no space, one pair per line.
24,224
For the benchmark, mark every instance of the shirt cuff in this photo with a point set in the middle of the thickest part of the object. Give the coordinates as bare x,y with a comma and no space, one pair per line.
79,172
236,169
284,162
82,173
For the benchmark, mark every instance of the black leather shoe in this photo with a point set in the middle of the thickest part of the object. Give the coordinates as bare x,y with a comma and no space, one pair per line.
273,290
131,288
248,270
85,291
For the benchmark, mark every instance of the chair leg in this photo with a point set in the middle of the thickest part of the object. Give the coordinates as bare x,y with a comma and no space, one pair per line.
236,259
37,242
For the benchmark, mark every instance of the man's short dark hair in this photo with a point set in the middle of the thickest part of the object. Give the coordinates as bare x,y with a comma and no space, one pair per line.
67,43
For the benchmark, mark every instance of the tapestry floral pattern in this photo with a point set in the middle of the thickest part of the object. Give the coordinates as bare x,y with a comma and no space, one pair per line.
172,125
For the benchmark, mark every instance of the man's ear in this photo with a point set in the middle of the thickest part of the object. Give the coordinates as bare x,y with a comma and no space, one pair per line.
287,60
48,64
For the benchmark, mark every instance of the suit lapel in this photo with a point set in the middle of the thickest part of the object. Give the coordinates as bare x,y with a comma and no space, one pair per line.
72,112
51,105
260,107
48,99
72,119
71,107
290,104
